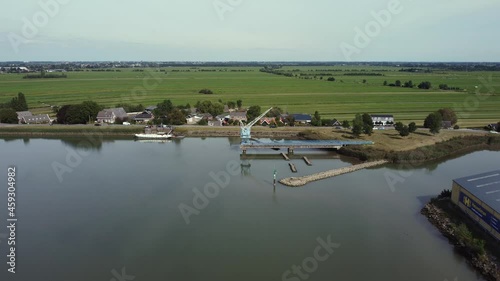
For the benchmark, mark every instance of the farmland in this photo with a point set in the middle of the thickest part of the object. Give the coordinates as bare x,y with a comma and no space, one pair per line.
341,99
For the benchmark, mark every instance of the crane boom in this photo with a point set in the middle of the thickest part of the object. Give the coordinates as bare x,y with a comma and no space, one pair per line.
258,118
246,129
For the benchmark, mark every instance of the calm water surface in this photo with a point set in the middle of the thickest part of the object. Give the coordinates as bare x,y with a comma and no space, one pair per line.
117,209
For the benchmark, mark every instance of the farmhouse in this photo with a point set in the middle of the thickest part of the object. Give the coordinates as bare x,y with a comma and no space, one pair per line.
22,114
302,118
36,119
266,121
382,119
336,123
238,115
144,117
193,119
111,115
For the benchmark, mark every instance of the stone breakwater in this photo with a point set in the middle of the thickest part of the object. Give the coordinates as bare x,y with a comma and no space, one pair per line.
301,181
486,265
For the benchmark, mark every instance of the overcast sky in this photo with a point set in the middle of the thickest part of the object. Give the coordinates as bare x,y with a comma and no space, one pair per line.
250,30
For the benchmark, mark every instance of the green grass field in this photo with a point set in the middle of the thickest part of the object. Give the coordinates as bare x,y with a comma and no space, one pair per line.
341,99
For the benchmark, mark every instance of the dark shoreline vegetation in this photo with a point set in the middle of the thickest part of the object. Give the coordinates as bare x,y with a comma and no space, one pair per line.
451,147
480,249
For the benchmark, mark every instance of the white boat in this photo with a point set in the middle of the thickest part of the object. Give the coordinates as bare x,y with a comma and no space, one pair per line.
160,135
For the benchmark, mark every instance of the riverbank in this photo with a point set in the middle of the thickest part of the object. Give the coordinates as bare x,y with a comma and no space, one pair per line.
420,146
465,235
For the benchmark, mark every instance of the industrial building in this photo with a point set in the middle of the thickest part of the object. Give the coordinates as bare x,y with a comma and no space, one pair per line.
479,197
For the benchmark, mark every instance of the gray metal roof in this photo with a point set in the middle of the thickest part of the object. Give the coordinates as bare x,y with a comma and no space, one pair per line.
485,186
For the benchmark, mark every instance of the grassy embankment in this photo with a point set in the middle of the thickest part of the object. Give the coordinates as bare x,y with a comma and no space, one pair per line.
341,99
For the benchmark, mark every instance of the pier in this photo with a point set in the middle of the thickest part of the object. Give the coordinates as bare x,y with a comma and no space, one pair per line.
300,181
307,161
291,145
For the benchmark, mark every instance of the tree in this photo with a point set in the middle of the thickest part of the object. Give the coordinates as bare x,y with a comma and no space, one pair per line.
405,131
253,112
498,127
398,83
424,85
62,114
316,119
164,108
434,122
412,127
275,112
447,114
231,104
367,124
206,92
216,109
408,84
19,103
331,79
204,106
290,120
385,83
345,124
357,125
239,103
398,126
176,117
76,115
8,115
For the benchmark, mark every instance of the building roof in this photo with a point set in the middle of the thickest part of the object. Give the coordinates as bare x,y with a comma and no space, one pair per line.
21,114
151,107
484,186
144,115
36,118
382,115
119,112
105,114
239,114
302,117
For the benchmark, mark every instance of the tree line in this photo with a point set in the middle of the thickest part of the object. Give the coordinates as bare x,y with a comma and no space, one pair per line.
8,110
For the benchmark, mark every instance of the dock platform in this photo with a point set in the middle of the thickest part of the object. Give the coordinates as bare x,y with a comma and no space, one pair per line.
291,145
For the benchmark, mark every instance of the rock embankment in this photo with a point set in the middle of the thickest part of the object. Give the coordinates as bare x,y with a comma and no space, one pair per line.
300,181
484,264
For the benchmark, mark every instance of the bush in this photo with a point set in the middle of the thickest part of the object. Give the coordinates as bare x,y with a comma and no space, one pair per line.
445,194
8,115
203,122
412,127
456,127
206,92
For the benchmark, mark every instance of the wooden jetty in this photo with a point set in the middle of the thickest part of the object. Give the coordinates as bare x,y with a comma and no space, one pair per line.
292,167
307,161
285,156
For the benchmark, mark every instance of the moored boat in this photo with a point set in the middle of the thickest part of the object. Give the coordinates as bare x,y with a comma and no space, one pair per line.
159,135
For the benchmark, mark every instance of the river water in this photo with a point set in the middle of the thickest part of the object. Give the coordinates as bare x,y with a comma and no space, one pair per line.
112,211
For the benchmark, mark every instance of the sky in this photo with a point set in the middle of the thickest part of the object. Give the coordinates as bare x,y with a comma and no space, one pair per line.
250,30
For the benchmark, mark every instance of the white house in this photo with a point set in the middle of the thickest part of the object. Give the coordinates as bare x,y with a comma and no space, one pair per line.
382,119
